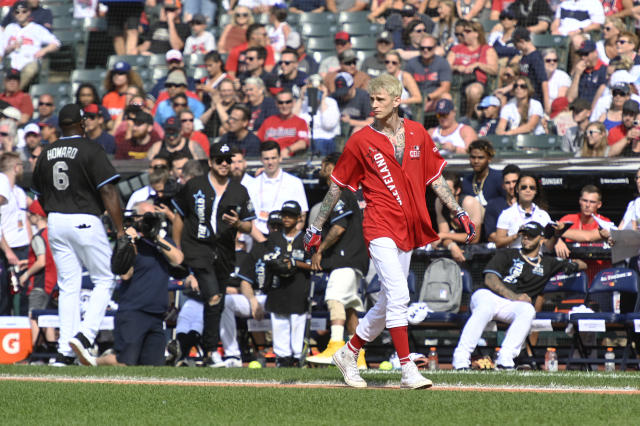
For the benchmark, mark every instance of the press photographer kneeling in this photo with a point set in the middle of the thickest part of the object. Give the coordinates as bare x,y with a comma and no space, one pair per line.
139,337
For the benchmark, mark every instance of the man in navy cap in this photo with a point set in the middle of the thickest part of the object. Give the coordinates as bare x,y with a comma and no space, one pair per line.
589,73
532,66
450,136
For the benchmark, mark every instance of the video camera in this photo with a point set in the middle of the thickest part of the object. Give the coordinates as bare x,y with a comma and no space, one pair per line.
171,189
149,224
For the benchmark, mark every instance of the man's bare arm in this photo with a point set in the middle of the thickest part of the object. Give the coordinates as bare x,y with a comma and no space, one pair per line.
443,192
328,203
495,284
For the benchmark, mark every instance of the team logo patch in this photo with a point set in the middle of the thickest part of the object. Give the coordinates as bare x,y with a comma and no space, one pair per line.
415,151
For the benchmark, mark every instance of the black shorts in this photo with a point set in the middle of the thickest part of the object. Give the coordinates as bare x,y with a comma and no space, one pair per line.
139,338
123,14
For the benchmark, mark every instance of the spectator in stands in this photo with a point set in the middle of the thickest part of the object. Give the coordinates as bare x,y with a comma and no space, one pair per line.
572,139
484,183
534,15
432,73
287,75
261,106
355,108
374,65
506,78
326,121
630,109
256,37
488,115
94,129
167,33
399,23
137,139
33,143
139,329
87,94
279,30
176,84
255,58
532,66
239,170
306,63
336,6
158,176
560,118
235,33
238,135
342,42
612,117
16,235
215,75
522,114
449,231
513,280
26,43
410,93
303,6
49,133
116,83
217,113
129,116
290,131
474,60
132,92
529,206
629,145
608,47
16,97
500,38
39,14
188,128
178,160
174,142
576,18
191,169
348,64
446,22
510,175
450,136
409,47
343,255
200,41
274,185
594,143
627,46
558,80
383,9
175,61
46,110
589,74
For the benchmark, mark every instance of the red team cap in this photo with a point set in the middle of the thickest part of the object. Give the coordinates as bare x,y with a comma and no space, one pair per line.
36,208
558,105
343,35
91,109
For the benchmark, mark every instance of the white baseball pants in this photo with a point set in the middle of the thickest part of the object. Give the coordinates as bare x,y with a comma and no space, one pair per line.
288,334
77,240
392,266
235,305
190,317
487,306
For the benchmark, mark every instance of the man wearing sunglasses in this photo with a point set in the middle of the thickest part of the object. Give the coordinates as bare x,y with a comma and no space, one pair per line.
256,37
589,73
374,65
39,15
175,61
342,42
630,109
174,142
255,58
176,84
513,280
46,110
349,64
532,66
287,75
211,210
288,130
432,73
137,139
94,129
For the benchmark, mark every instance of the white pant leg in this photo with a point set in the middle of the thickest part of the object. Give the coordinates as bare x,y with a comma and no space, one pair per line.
520,315
93,249
297,333
190,317
235,305
69,281
484,304
390,310
281,331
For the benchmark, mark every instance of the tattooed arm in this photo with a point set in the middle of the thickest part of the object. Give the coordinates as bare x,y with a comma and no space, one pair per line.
328,203
495,284
443,192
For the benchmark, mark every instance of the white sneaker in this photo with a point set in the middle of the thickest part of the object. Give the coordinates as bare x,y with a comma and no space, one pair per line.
347,362
228,363
82,347
412,379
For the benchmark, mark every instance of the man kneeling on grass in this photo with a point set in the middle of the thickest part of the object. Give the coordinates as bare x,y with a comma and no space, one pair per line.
139,337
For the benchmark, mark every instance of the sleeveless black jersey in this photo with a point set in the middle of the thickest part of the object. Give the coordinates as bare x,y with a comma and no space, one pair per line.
184,150
195,203
68,176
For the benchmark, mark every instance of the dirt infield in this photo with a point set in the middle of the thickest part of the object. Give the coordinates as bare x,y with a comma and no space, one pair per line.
228,383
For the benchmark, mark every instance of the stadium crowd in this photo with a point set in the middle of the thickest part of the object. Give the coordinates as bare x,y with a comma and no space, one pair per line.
246,76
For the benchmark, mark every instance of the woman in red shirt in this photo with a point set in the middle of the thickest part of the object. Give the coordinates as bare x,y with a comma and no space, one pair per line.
234,34
116,83
472,60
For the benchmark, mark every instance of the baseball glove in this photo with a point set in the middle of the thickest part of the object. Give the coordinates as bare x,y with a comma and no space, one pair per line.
281,267
124,254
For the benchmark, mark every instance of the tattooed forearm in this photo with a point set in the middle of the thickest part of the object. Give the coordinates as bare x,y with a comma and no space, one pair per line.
443,192
328,203
494,284
399,145
333,236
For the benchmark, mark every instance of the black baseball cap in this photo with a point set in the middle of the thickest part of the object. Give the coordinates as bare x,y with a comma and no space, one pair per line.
220,149
520,33
275,218
12,73
21,5
631,106
291,207
70,114
143,118
171,125
531,229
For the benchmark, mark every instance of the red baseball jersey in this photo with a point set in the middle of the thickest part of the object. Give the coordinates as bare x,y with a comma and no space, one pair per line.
284,131
395,194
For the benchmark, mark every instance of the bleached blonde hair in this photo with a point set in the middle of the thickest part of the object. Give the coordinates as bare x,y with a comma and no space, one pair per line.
387,82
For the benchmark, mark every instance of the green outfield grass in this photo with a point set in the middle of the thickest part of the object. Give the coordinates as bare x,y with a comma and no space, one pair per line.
26,403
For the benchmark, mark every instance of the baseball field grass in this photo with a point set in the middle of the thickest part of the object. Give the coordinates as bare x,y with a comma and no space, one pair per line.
82,395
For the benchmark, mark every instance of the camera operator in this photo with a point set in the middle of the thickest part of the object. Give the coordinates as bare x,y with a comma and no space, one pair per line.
211,209
314,101
139,333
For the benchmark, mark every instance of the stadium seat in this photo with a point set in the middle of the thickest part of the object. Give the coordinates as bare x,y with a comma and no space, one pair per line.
199,73
317,18
488,24
293,19
575,285
157,60
364,54
194,60
559,43
361,28
533,143
320,55
61,10
317,44
94,76
309,30
94,24
363,43
136,61
501,143
262,18
60,91
64,59
66,22
360,16
224,20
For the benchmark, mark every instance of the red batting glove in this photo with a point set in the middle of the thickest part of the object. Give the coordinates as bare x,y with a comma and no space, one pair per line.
312,239
465,222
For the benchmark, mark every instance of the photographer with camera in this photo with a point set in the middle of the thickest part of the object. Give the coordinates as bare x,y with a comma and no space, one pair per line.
211,210
321,113
139,333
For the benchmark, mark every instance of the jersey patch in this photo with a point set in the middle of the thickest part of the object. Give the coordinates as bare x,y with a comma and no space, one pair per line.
415,152
203,231
514,272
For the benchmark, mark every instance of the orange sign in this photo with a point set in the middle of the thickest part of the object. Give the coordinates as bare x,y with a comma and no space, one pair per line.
15,339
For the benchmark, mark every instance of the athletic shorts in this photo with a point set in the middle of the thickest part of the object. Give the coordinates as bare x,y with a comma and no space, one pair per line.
343,287
123,14
139,338
38,299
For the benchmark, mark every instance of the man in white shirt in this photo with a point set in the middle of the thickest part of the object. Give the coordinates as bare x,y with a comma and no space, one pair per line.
158,164
574,18
26,43
275,186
